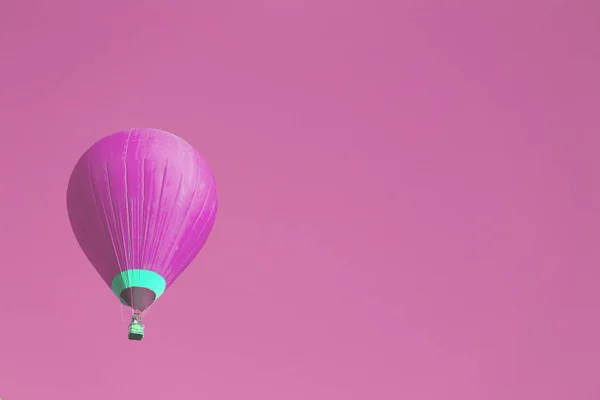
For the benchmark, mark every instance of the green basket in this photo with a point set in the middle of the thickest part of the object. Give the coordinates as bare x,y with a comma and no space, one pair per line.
136,331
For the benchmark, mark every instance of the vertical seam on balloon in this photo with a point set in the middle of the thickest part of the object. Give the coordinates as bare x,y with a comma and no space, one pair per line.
187,256
163,231
169,278
184,245
101,211
144,222
107,176
212,212
129,252
183,223
154,247
190,256
104,213
184,260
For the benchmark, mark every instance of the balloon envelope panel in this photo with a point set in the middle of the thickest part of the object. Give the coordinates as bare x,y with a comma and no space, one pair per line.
142,204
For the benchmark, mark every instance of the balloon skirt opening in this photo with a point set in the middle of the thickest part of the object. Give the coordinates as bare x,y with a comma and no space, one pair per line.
138,298
138,288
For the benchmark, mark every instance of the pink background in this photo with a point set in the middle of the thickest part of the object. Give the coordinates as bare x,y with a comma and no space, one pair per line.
409,198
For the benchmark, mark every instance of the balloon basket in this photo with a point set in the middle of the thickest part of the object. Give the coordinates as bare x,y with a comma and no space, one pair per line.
136,327
136,332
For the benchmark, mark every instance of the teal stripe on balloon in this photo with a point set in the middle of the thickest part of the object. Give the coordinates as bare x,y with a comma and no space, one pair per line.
138,278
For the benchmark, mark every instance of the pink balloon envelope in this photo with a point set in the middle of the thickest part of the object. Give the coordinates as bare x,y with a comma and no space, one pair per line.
142,204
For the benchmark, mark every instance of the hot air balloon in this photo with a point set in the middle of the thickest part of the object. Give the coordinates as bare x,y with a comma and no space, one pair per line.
142,204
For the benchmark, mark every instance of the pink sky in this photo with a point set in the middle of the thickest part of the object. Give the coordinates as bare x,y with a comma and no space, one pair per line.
409,201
